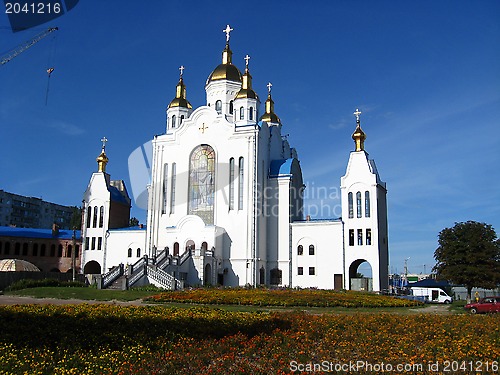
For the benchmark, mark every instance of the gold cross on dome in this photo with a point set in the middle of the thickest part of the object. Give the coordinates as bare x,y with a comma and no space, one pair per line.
202,128
247,58
227,30
181,68
269,85
104,140
357,113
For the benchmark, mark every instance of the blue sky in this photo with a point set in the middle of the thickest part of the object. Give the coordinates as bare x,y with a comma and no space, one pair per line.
425,74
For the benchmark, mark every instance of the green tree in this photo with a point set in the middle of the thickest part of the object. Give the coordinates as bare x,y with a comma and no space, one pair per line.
469,254
133,222
76,218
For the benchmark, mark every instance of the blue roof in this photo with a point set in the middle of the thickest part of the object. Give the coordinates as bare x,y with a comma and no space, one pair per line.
430,283
116,195
281,167
63,234
137,227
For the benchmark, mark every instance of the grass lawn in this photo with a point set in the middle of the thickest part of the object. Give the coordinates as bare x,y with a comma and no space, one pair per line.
83,293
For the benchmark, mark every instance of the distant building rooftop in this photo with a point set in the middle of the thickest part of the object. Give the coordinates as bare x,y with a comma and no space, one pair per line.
62,234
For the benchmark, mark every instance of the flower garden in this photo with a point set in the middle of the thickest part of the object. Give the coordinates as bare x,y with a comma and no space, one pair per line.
158,339
280,297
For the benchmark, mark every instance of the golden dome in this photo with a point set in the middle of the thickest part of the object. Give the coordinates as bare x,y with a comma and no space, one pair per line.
359,135
102,160
246,91
226,70
269,115
180,96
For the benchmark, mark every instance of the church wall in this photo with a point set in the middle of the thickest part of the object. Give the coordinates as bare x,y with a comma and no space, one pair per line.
118,245
326,237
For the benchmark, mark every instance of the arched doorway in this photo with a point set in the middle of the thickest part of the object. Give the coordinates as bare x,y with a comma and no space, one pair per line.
190,245
360,276
92,267
207,277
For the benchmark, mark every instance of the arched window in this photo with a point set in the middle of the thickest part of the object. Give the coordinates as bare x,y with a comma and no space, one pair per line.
52,250
94,219
165,184
77,251
311,249
17,248
300,250
360,237
68,252
35,250
42,250
368,236
242,113
182,119
172,189
350,203
202,183
218,106
176,249
173,121
231,184
7,248
367,204
358,204
89,216
25,249
231,107
138,254
240,183
129,252
250,114
101,216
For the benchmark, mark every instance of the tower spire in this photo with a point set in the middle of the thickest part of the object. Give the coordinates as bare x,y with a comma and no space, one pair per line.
269,116
359,135
180,99
102,159
246,87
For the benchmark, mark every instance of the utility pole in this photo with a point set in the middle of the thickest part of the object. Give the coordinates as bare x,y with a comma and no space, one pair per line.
73,255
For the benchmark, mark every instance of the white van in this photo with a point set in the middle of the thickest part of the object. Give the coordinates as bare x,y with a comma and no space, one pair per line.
436,295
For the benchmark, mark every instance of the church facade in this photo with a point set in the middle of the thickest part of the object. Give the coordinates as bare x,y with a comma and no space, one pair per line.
225,201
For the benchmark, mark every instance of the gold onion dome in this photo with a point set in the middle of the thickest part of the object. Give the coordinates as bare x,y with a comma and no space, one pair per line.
102,159
226,70
359,135
180,96
246,91
269,115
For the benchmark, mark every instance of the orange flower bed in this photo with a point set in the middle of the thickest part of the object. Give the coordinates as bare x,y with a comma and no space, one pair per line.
280,297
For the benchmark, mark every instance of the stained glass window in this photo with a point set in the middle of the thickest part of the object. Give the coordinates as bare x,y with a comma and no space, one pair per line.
202,183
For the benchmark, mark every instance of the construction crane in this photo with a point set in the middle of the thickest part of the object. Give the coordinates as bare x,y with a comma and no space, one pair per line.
23,47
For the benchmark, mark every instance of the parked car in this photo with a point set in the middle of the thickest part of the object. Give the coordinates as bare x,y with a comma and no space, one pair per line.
485,305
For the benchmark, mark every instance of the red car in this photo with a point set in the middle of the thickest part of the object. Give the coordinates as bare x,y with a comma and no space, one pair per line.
486,305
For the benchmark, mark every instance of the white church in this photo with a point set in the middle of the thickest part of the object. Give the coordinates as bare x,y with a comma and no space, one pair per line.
225,203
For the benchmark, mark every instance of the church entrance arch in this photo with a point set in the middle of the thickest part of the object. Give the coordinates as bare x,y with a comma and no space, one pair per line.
207,277
190,245
92,267
360,276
